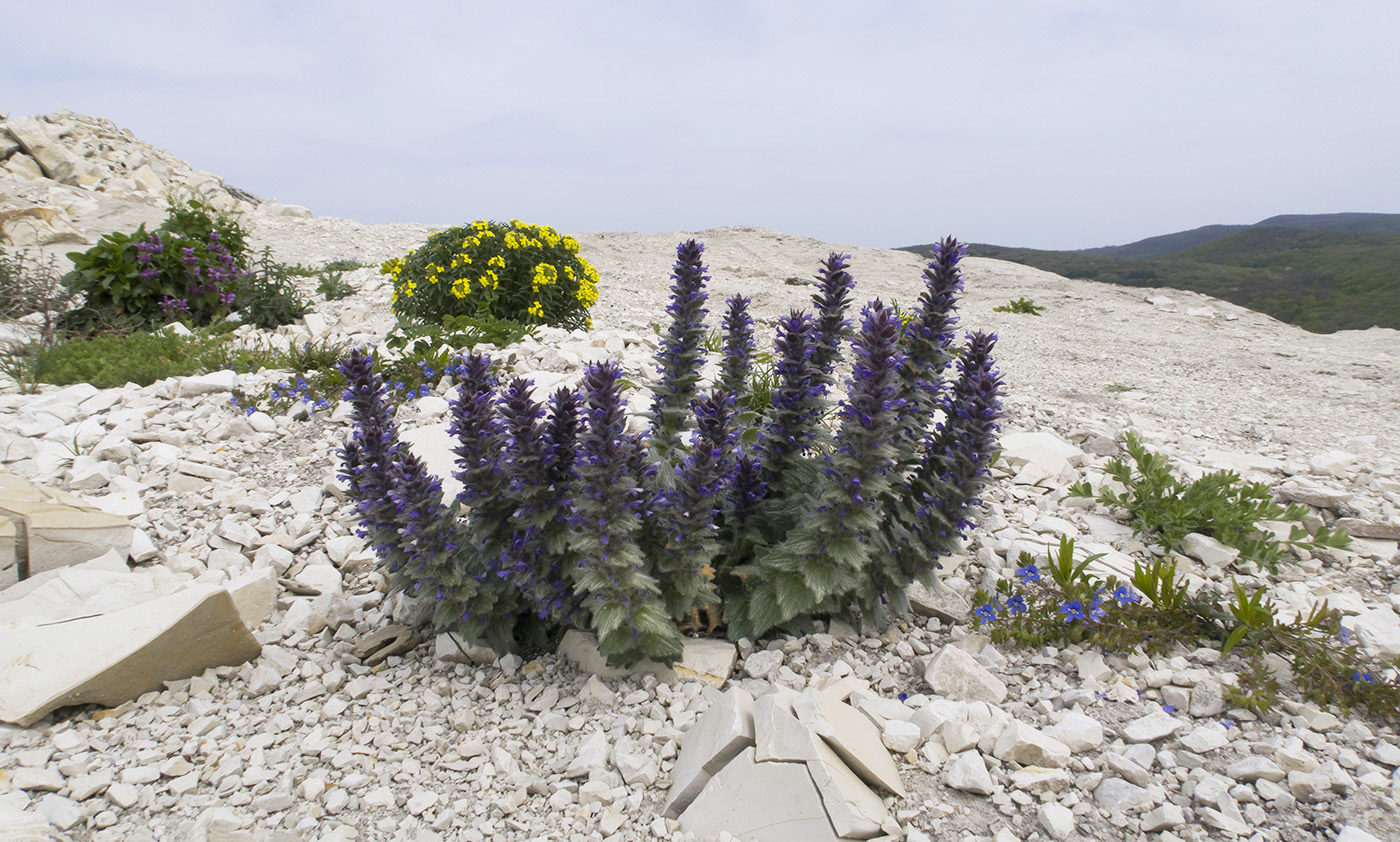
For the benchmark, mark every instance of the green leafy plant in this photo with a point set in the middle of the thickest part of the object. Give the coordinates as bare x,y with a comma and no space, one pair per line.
516,271
1219,505
331,284
1023,306
269,296
1066,604
568,519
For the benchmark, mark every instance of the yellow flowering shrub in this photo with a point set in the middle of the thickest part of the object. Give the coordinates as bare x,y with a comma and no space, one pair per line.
517,271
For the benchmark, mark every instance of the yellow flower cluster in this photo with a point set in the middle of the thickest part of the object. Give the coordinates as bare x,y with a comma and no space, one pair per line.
545,274
588,286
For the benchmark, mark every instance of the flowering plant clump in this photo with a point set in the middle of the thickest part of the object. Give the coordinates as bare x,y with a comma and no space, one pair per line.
818,505
1063,604
185,270
516,271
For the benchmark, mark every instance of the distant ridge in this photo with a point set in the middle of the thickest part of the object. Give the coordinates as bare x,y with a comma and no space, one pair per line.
1321,272
1164,244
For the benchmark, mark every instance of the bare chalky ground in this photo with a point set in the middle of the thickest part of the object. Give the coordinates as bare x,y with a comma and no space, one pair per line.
340,729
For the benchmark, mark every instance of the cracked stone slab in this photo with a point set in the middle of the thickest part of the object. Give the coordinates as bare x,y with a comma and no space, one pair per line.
725,730
789,807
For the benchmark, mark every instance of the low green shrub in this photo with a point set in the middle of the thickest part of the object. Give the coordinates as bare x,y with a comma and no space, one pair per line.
1023,306
1165,509
142,358
1155,613
331,284
518,272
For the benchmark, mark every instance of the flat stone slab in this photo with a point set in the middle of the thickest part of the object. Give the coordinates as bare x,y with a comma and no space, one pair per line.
1152,727
54,529
761,802
97,586
112,658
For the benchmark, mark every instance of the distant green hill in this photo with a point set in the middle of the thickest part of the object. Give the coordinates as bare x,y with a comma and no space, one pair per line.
1342,274
1322,281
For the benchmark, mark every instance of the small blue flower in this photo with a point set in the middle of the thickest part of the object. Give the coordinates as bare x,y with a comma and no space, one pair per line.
1344,636
1228,723
1096,612
1017,604
1125,595
903,696
1073,610
987,614
1168,708
1029,573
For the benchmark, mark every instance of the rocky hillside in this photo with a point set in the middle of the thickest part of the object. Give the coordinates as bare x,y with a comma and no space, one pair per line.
344,727
66,179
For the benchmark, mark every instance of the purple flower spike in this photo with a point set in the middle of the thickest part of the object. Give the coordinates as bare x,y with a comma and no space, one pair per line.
832,298
680,357
738,349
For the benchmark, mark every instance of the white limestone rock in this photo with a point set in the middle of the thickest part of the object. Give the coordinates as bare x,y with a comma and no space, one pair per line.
1208,550
1206,738
1378,629
778,736
967,772
851,734
1117,794
955,674
901,736
1150,728
856,812
1043,449
1078,731
1057,820
1025,745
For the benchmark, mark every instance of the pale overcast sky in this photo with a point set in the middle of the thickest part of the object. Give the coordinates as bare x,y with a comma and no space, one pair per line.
1039,123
